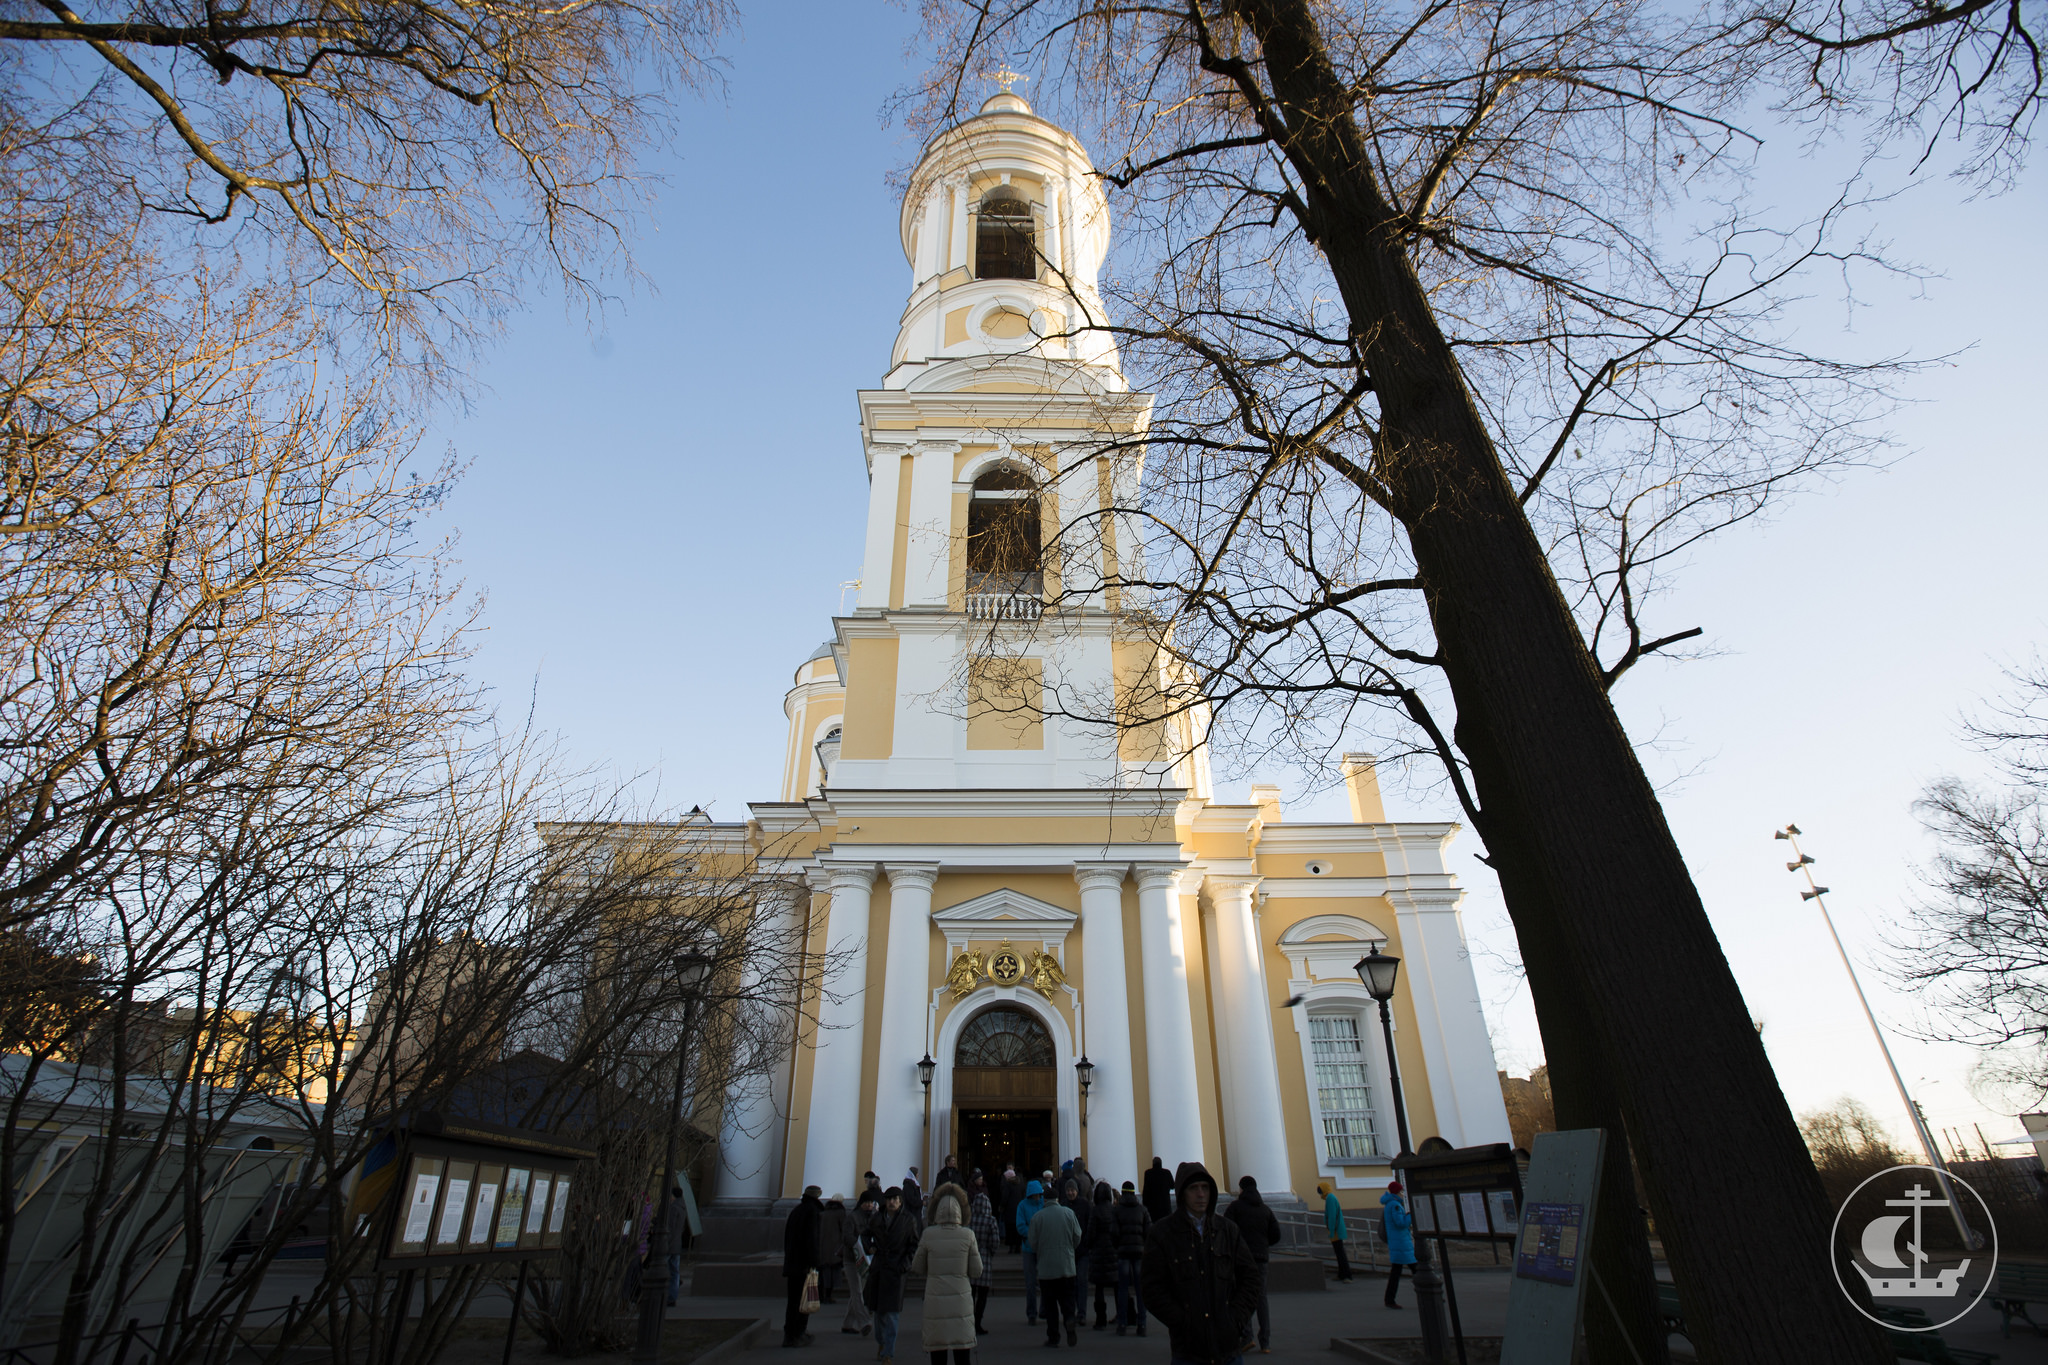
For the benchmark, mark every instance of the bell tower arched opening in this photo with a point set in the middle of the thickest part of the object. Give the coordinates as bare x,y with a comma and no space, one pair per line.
1005,237
1003,544
1005,1088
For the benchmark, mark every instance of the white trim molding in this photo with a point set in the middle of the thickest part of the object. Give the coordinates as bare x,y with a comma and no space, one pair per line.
1005,913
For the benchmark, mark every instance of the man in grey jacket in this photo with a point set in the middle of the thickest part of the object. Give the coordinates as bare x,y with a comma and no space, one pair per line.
1056,1237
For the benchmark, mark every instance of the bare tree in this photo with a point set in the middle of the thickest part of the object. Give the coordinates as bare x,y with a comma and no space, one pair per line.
404,167
1977,944
1901,70
1445,387
443,957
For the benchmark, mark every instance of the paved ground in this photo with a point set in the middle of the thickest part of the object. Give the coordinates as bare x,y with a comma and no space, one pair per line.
1302,1324
1302,1327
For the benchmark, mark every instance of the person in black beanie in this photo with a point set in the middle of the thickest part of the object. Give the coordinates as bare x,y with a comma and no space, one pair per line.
1260,1229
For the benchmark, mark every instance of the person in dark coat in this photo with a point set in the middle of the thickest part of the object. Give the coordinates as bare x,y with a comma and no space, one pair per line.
1008,1197
1078,1198
799,1259
892,1242
1158,1191
1260,1229
913,1195
832,1221
1131,1223
950,1173
1102,1251
1198,1275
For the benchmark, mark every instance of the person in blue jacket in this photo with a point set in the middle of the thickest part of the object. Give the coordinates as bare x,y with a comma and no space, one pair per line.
1027,1209
1399,1226
1333,1224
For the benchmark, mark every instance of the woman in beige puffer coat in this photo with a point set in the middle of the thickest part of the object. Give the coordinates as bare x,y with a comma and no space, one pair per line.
949,1259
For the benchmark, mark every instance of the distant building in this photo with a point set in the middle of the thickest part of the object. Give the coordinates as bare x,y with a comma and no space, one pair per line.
1530,1110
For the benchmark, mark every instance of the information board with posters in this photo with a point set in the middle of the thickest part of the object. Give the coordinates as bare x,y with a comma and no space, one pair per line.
1547,1292
470,1192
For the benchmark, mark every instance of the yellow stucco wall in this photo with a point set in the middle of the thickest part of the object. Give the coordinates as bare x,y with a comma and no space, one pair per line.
870,727
1134,993
1005,701
899,551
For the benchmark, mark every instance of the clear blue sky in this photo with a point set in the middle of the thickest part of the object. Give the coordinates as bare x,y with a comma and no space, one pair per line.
661,511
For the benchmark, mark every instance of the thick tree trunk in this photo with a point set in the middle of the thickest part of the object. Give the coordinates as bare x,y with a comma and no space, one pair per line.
1623,1326
1734,1191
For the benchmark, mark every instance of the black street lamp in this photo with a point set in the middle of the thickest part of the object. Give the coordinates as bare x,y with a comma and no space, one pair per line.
1378,972
1085,1071
926,1069
691,972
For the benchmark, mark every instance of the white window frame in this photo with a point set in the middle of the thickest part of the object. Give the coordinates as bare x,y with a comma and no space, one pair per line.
1336,997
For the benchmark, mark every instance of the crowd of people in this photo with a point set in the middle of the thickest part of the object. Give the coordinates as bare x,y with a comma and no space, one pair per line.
1160,1251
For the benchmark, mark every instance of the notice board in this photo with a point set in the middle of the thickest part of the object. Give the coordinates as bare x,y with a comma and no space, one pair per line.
1547,1288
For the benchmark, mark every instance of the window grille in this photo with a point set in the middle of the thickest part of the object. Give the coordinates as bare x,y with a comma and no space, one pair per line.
1004,1036
1342,1095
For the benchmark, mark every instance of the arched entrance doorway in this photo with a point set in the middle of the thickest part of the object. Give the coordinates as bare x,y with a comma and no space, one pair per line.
1005,1084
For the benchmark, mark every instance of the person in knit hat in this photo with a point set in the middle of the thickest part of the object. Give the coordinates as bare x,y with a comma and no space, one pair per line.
1198,1275
1399,1226
1260,1229
1132,1220
1333,1224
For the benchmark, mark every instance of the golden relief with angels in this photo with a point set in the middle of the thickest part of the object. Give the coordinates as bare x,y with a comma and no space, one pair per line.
1005,965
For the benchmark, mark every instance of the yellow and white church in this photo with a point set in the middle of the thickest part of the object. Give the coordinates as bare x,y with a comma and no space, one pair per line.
1003,888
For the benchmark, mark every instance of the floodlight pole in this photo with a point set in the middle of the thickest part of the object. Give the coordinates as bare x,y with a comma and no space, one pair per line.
1818,895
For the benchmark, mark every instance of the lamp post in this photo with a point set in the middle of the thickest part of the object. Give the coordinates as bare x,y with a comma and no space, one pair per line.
691,972
1818,895
1084,1071
1377,972
926,1069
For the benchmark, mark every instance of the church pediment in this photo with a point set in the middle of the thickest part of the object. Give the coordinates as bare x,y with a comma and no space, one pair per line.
1001,914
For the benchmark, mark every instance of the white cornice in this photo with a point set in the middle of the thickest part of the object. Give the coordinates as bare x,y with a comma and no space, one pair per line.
1002,857
1009,803
944,414
1325,888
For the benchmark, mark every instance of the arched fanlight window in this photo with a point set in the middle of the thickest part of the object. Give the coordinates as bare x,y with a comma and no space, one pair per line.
1005,245
1002,533
1004,1036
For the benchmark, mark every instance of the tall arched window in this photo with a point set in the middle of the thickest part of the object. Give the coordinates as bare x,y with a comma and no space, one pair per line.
1005,245
1004,1036
1002,535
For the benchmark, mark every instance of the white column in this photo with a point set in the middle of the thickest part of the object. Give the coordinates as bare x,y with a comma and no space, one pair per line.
830,1146
1450,1024
1112,1142
928,554
1172,1099
879,560
1254,1122
1054,193
956,253
906,995
753,1124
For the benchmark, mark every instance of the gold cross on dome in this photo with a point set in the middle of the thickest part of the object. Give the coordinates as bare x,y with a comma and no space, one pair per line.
1005,78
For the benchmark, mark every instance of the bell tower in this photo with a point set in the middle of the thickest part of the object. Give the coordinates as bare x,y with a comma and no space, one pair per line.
984,652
